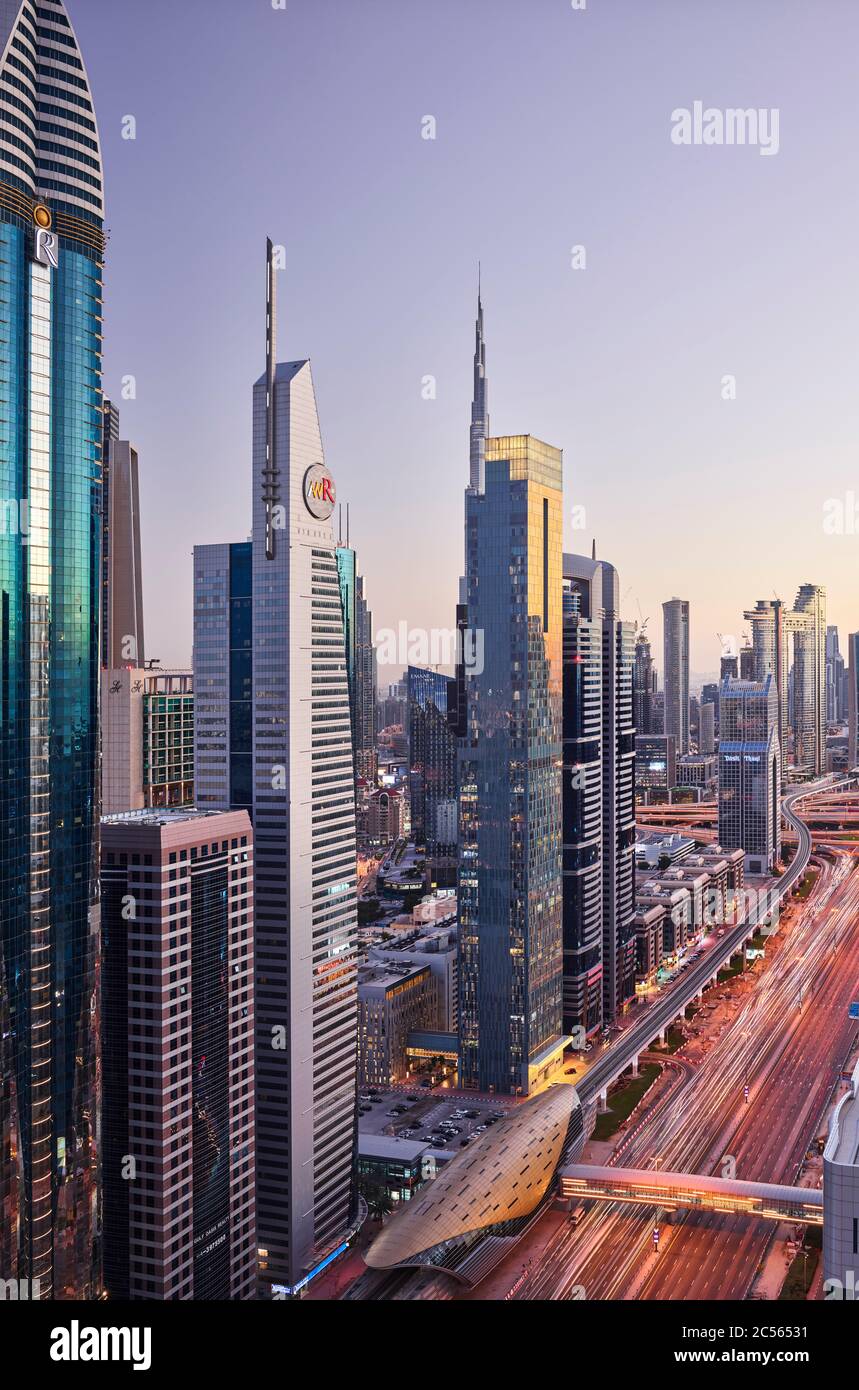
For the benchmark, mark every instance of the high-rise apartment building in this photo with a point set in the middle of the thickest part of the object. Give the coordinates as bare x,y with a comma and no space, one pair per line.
835,714
510,773
750,772
147,739
177,1005
675,617
51,258
592,598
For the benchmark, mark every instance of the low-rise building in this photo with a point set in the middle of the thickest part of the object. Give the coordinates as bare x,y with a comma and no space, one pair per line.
649,923
697,770
676,900
435,947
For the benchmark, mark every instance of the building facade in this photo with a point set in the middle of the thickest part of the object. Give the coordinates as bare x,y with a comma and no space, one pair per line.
147,739
675,618
391,1004
304,837
750,773
122,640
178,1146
511,967
223,675
643,686
51,259
432,768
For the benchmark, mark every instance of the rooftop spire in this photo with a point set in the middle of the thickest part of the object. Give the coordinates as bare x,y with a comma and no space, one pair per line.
479,402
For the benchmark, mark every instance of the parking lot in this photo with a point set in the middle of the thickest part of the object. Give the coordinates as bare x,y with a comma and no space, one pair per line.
445,1120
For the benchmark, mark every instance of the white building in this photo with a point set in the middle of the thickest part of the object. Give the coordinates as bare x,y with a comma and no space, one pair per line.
841,1198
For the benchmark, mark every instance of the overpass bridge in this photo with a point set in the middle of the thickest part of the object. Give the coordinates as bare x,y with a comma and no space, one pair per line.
658,1017
693,1191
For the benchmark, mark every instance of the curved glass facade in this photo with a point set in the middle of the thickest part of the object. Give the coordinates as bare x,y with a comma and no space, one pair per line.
51,249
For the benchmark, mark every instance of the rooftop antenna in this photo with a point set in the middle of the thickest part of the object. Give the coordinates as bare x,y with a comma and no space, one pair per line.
270,490
347,525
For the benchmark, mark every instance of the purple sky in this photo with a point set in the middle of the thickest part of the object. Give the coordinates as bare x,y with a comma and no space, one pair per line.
553,129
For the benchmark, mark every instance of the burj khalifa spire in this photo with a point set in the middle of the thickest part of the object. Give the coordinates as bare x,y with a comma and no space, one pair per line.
480,403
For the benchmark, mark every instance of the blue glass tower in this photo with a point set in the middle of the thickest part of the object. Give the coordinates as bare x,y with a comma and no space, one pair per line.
51,254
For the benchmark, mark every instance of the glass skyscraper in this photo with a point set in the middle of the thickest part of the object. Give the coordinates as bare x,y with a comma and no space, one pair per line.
51,255
510,774
432,767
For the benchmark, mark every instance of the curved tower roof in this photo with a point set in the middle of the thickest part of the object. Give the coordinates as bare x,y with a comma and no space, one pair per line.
49,145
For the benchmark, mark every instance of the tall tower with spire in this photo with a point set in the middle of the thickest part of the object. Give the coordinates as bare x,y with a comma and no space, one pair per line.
479,403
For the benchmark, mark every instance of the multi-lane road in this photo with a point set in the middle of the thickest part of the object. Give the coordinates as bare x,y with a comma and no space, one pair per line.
786,1042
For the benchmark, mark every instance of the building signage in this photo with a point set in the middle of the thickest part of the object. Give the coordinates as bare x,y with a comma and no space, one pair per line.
320,494
46,251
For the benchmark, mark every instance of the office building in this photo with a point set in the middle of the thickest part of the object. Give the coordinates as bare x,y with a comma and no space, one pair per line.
509,892
437,947
655,762
51,253
749,773
177,1001
599,794
707,729
223,668
747,663
147,739
835,714
728,666
697,770
386,816
643,686
800,688
304,832
392,1002
122,642
432,769
853,699
675,618
366,680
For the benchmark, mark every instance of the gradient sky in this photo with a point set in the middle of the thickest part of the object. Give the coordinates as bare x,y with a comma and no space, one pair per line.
553,129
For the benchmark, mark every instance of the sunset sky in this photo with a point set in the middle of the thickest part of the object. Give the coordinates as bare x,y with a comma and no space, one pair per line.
553,129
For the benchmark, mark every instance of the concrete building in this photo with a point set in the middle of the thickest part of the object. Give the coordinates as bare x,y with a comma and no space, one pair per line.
147,739
643,686
177,999
509,887
698,770
675,617
392,1003
649,925
437,948
386,816
749,772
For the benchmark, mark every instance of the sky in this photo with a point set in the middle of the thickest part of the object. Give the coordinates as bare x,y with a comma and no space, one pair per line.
302,120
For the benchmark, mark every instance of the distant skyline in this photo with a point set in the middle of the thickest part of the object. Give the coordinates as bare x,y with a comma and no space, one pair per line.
553,130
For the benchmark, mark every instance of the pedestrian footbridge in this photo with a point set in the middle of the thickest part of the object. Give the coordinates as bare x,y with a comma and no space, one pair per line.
694,1191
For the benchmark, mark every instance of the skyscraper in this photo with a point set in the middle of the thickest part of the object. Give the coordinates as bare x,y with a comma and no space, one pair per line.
479,404
366,684
853,699
510,773
223,670
177,1062
592,590
809,674
707,728
122,642
51,256
834,678
750,772
432,768
304,832
643,686
675,616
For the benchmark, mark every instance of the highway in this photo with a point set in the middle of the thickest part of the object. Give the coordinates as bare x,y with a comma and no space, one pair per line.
635,1040
787,1037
